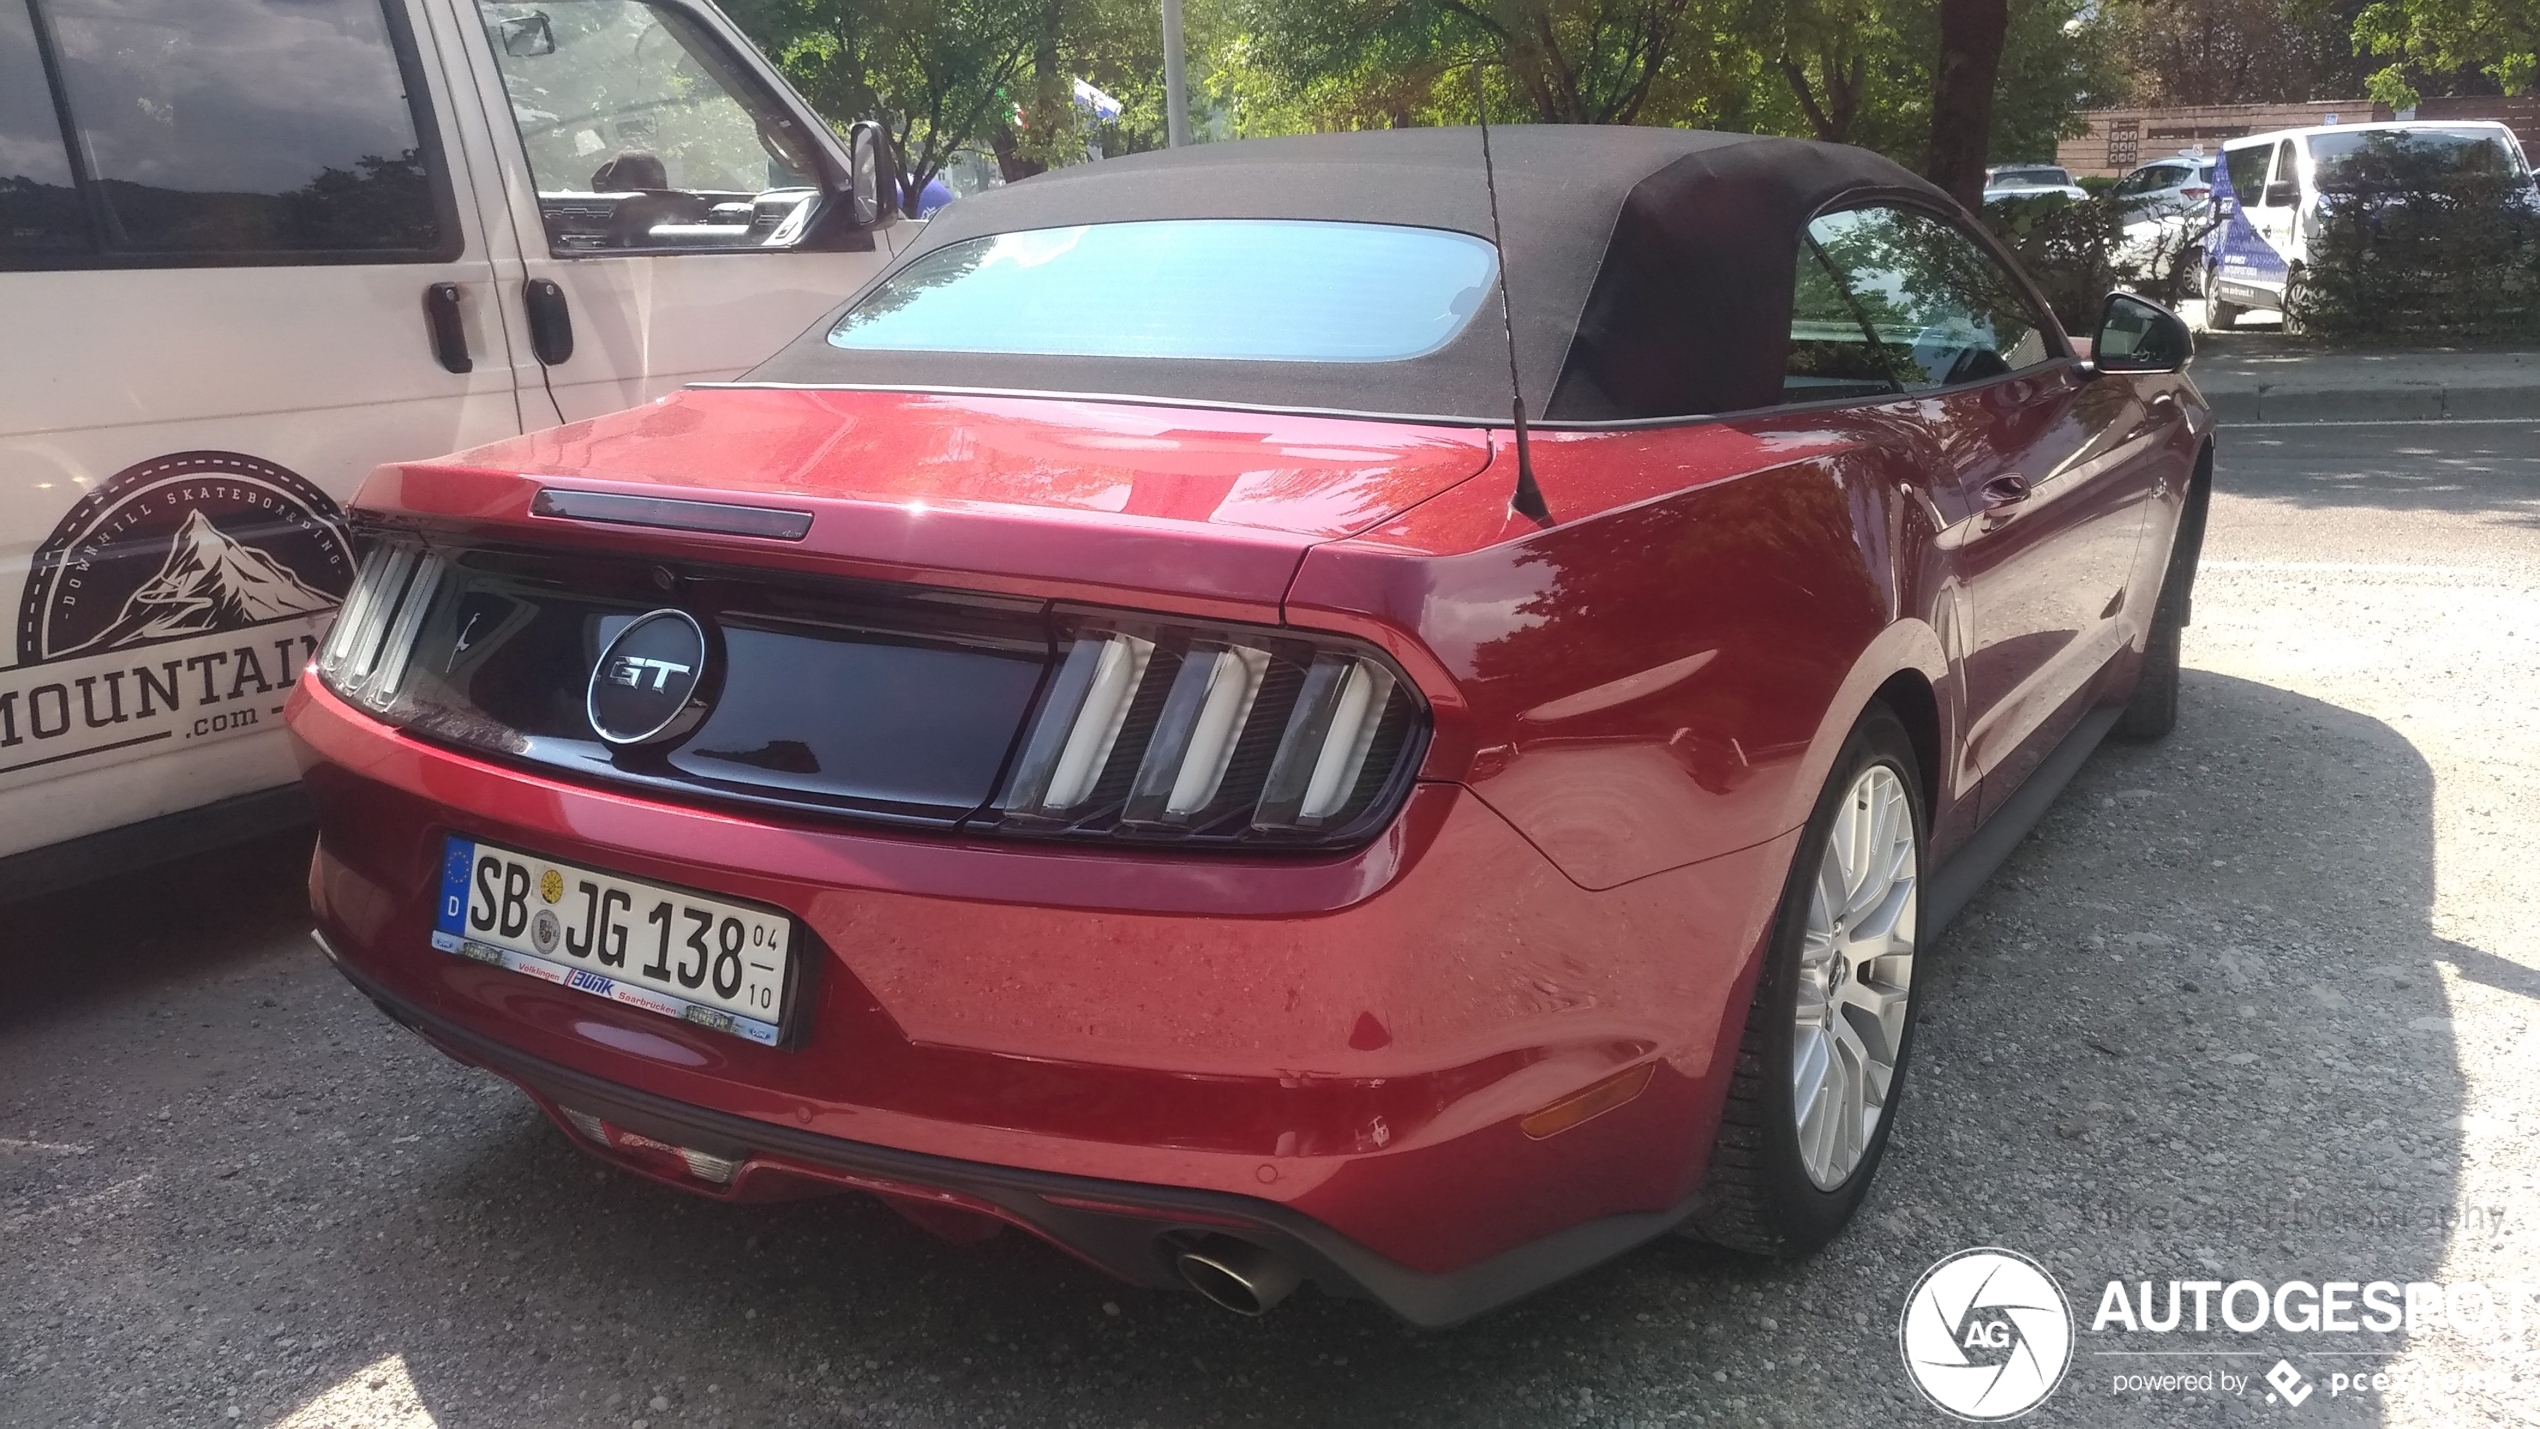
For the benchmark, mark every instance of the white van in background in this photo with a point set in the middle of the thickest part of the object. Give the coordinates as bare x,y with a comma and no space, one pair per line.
249,251
2268,187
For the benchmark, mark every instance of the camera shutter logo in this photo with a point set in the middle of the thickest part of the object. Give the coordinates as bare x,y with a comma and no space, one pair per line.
1986,1334
647,687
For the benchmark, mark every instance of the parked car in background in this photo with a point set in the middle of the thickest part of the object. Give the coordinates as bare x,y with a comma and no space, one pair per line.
229,297
2180,184
2268,191
2163,210
1119,732
2023,181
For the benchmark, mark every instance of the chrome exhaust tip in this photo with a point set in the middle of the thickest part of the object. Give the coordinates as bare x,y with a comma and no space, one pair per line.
1237,1274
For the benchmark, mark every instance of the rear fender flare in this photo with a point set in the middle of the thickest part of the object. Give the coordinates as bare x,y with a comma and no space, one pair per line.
1909,646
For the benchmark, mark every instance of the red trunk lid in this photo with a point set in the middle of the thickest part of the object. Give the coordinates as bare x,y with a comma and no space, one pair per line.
1201,509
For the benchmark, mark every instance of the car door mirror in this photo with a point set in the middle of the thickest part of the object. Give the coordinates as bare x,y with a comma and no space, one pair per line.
871,191
527,37
2139,335
2283,193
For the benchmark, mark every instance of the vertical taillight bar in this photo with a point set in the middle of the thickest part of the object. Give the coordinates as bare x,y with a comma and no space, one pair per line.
1195,736
397,647
1071,741
365,655
1324,749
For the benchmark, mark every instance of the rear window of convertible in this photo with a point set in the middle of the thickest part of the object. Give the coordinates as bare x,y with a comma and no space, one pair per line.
1252,290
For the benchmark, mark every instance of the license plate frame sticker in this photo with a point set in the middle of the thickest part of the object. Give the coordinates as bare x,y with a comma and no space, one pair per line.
630,941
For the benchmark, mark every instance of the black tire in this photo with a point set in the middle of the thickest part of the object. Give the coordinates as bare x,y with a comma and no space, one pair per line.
2296,301
1757,1196
2152,710
2219,315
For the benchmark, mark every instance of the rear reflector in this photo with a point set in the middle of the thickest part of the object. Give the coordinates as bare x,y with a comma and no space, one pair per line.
717,1169
1597,1100
669,513
705,1167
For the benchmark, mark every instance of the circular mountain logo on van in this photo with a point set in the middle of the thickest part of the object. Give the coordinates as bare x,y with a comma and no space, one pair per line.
196,543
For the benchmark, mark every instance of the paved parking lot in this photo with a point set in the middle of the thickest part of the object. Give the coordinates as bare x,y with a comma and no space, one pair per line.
2253,1003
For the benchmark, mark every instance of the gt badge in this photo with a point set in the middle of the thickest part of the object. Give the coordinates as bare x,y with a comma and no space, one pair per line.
647,687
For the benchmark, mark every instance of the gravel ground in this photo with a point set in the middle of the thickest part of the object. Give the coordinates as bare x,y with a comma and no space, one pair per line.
2255,1002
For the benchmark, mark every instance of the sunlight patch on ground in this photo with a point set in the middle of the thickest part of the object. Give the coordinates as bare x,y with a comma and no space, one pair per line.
380,1395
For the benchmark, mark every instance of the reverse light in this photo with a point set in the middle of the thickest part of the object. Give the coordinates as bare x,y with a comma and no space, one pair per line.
1182,731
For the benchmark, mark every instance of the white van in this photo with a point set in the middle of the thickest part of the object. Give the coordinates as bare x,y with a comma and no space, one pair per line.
249,250
2268,187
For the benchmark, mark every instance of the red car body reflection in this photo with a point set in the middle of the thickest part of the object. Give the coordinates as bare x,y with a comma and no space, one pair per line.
1357,1058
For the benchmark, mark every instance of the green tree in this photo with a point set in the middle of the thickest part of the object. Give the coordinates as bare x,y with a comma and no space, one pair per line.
1849,65
937,73
1384,62
996,74
2448,39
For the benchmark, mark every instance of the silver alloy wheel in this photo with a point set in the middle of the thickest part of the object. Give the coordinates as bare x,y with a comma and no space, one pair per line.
1856,968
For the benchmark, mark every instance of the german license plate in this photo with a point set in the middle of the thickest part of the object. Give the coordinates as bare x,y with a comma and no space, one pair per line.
666,950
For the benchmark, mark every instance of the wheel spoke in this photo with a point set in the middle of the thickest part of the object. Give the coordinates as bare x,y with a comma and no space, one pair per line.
1842,858
1885,924
1852,1064
1814,1103
1872,1019
1883,851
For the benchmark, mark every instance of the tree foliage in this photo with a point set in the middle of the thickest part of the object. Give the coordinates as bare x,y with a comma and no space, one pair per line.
2260,51
948,75
2496,39
937,73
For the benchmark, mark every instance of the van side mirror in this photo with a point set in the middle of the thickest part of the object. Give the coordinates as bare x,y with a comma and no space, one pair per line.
2139,335
2283,193
526,37
872,187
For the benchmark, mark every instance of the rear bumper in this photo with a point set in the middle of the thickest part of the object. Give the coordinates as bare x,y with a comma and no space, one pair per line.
1329,1057
1131,1230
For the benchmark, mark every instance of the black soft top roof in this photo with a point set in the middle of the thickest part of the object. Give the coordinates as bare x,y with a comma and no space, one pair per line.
1650,271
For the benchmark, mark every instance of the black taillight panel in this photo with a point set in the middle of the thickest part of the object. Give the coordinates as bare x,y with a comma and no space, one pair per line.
906,705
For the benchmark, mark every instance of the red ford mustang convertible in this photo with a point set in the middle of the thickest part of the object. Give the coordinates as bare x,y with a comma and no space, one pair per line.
1287,711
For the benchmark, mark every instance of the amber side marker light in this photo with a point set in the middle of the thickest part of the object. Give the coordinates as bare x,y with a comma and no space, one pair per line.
1596,1101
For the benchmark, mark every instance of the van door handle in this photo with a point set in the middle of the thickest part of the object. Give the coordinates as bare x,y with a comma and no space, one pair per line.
550,321
441,321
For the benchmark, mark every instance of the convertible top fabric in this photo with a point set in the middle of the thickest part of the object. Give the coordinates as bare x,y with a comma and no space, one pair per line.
1650,271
